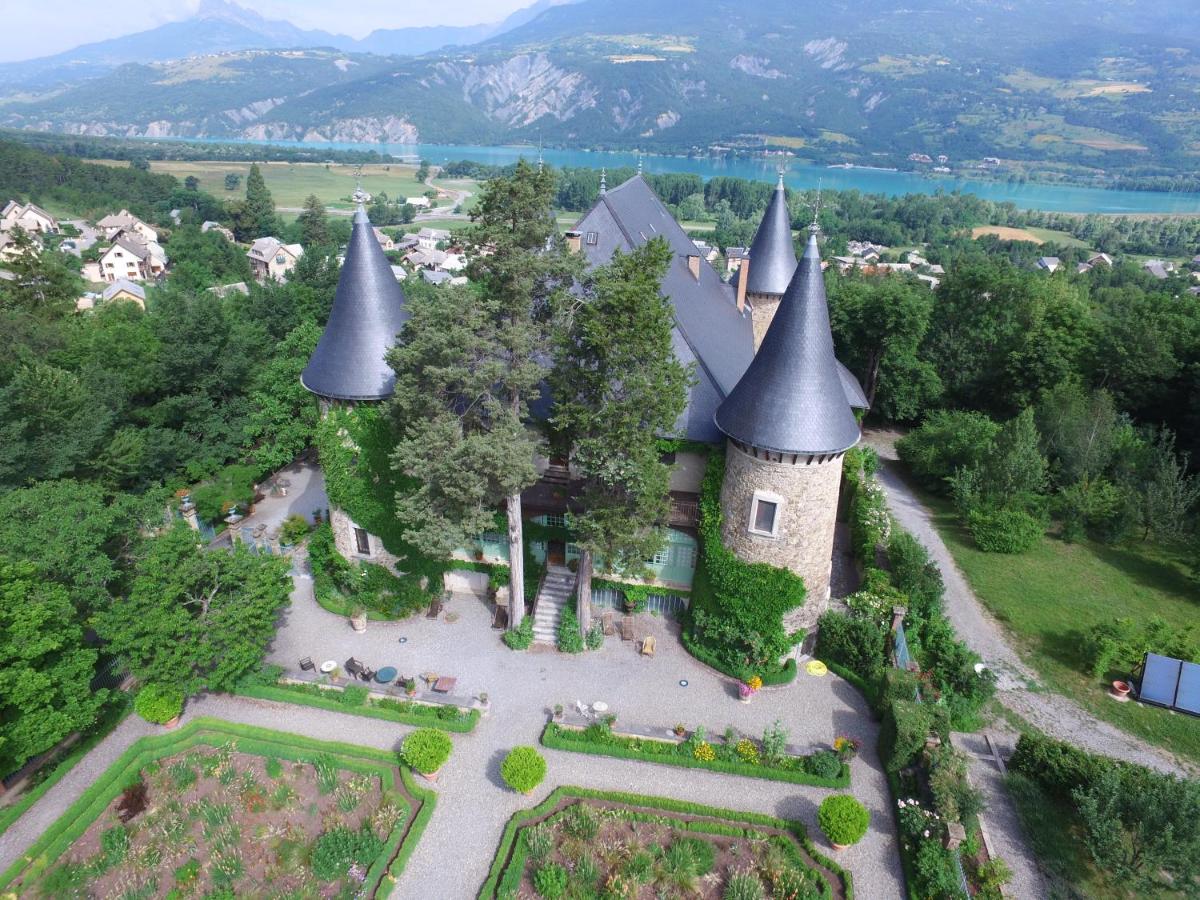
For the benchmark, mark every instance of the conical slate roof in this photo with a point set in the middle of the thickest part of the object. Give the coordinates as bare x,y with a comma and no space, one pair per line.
772,254
791,398
368,312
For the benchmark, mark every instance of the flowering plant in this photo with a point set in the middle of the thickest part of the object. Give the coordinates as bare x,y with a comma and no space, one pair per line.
754,682
748,751
704,752
846,747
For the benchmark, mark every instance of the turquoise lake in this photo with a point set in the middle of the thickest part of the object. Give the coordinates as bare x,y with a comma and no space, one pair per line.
1050,197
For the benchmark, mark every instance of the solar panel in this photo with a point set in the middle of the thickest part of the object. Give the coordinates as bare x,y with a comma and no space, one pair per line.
1188,698
1160,678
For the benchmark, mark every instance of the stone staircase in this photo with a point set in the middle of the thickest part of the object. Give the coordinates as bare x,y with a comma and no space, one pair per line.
555,592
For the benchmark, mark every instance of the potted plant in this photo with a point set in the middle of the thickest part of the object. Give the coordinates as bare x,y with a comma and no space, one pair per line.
573,565
558,711
749,688
843,820
846,748
335,675
483,703
426,751
523,769
680,729
159,704
1120,690
410,687
479,555
358,619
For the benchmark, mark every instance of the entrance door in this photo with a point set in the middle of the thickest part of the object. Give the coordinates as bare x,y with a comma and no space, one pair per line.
556,553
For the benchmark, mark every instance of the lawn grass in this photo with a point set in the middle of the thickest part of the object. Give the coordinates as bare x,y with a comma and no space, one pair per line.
1050,596
291,183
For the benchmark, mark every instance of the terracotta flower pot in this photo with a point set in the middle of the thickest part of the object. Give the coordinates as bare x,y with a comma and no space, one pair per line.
1120,690
431,776
171,723
840,846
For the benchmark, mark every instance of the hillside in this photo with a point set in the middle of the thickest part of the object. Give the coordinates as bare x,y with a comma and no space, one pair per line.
1111,89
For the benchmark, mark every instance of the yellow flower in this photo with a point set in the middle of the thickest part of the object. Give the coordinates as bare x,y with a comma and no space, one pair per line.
754,683
704,752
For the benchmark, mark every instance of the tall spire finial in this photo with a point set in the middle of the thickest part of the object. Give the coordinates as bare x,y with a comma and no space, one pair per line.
780,170
539,164
359,196
815,226
639,155
603,184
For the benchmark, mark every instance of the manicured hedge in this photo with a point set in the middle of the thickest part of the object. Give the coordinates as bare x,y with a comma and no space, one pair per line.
72,824
415,716
785,674
505,852
557,737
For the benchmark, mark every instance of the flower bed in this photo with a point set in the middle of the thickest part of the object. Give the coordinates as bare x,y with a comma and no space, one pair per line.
444,716
218,807
743,757
653,843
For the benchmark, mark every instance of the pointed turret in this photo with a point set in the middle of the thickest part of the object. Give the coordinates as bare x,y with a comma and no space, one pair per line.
772,254
791,398
368,312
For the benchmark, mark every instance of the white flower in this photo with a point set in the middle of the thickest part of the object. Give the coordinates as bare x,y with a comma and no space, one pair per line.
926,832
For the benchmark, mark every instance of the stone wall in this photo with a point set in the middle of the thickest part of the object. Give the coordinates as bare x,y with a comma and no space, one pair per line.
762,312
806,520
343,539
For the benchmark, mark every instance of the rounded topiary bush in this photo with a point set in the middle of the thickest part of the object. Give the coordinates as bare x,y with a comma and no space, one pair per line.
824,764
843,819
158,703
426,750
523,769
1004,530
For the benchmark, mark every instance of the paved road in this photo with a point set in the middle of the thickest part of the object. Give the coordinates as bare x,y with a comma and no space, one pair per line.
1018,687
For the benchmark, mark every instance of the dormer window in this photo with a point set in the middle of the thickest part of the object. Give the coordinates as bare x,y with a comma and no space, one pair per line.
593,238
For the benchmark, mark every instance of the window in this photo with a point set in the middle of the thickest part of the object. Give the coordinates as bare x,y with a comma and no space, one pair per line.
362,543
593,238
661,558
493,537
280,260
554,520
685,557
764,514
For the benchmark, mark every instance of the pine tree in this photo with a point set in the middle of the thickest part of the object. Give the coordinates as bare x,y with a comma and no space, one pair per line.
468,364
256,217
314,223
617,387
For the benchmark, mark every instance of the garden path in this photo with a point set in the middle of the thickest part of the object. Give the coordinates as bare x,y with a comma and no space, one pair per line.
1018,687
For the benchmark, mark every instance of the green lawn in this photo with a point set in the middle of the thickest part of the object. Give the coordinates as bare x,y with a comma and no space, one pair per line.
291,183
1062,238
1049,596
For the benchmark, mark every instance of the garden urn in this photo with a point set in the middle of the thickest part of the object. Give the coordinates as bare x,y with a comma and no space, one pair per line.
358,620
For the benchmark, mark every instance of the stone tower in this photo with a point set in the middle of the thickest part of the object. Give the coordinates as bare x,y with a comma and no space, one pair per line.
763,278
348,367
788,422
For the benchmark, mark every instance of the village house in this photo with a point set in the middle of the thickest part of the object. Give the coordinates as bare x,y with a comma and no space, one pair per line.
733,259
418,202
206,227
271,258
120,290
132,260
28,217
9,248
114,223
90,272
386,241
1160,269
1049,263
224,290
429,238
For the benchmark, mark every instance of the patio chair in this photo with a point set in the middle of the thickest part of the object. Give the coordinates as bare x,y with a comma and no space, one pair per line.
627,628
307,665
648,645
607,623
366,674
353,667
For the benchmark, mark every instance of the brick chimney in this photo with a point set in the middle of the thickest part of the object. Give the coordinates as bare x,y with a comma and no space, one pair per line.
694,265
574,242
743,274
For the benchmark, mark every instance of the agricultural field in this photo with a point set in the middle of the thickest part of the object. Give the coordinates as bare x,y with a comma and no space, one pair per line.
218,809
576,842
1031,234
291,183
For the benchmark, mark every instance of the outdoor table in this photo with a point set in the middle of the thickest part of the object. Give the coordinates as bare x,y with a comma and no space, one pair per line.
328,666
445,684
386,675
600,707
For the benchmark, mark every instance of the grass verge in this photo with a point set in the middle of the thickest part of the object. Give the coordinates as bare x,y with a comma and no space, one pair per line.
404,712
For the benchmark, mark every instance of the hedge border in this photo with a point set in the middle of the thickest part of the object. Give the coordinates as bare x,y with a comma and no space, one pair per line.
279,694
785,674
500,862
551,739
72,824
11,813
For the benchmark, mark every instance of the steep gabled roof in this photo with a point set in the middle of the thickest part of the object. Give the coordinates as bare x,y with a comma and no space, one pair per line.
368,312
792,398
709,329
772,253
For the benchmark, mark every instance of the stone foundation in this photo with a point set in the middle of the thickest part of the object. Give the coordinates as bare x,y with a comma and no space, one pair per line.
807,514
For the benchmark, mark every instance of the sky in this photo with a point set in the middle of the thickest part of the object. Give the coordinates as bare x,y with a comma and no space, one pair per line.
34,28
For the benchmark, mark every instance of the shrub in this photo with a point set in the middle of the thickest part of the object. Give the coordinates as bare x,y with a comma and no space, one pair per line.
158,703
294,529
743,885
1060,768
569,638
337,850
947,442
581,821
843,819
595,636
701,855
539,841
426,750
1004,530
824,764
1120,644
187,873
114,846
748,752
550,881
858,644
353,695
521,637
907,724
523,769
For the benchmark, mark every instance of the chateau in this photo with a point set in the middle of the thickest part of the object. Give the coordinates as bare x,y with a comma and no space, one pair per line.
767,385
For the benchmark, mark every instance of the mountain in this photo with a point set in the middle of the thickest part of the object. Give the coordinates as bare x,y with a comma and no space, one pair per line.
1064,83
417,41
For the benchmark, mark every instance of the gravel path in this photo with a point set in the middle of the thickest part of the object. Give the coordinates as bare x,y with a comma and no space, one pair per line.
1018,687
473,803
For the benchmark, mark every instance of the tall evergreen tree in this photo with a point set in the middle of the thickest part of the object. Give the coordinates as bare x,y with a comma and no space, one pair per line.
617,388
256,218
466,370
314,223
